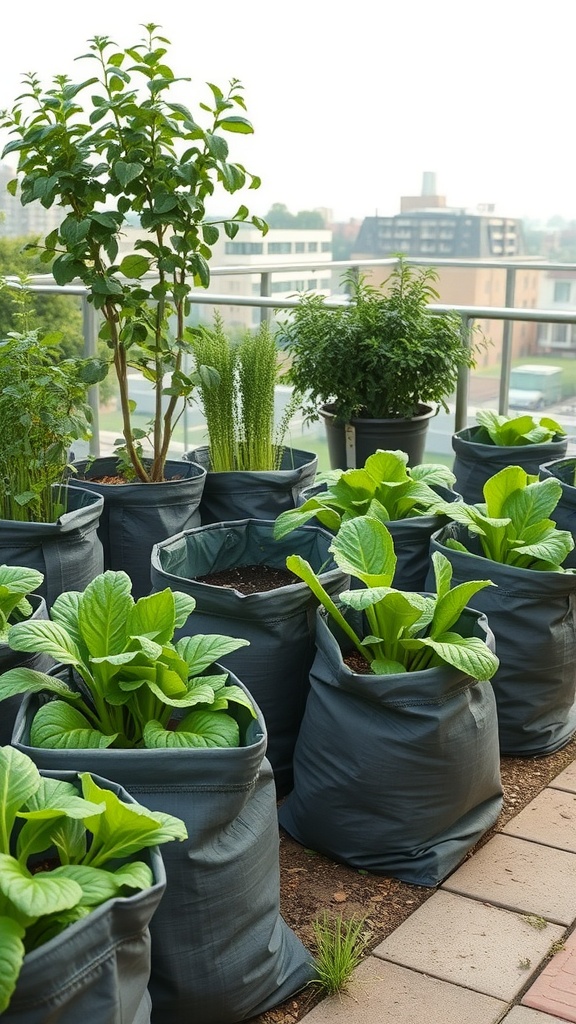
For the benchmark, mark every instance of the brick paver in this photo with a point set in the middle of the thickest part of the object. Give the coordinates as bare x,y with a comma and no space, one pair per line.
554,990
549,819
566,779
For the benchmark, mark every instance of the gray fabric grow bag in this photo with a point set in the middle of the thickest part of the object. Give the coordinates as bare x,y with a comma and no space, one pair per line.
68,552
564,515
475,463
221,952
397,774
250,494
18,659
97,970
279,624
137,515
531,614
411,539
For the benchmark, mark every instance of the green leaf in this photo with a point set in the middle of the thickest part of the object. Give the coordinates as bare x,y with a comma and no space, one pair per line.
57,726
468,654
44,637
202,650
364,548
122,830
134,266
236,124
198,729
19,780
126,172
153,616
39,894
11,958
103,613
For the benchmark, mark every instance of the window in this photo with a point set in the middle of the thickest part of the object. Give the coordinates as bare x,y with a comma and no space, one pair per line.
312,246
561,291
326,246
299,247
279,248
244,248
560,334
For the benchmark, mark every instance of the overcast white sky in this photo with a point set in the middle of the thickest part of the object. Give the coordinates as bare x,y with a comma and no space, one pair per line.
352,101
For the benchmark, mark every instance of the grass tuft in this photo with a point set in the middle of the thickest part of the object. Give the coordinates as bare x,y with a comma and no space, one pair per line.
340,947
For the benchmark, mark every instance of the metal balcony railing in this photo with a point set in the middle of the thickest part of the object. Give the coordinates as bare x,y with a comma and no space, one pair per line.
508,313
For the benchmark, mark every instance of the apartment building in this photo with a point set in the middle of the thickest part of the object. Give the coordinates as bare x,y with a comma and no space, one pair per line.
17,221
557,292
427,227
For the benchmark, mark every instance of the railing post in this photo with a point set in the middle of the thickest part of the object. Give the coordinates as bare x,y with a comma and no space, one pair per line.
507,343
463,382
90,332
265,292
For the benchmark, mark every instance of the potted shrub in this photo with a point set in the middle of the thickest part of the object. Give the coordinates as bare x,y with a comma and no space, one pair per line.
512,537
17,603
44,523
164,720
396,767
252,474
117,149
376,369
498,441
75,902
235,572
409,500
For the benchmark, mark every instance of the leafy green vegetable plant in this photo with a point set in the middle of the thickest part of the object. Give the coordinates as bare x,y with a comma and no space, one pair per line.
237,382
407,632
16,582
382,355
516,430
386,488
114,149
127,681
90,839
513,524
43,410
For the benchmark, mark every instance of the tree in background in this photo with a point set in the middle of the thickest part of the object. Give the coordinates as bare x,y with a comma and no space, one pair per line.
279,216
51,312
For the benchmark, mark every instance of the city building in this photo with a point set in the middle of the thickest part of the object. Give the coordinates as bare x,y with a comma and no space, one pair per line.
17,221
557,292
426,227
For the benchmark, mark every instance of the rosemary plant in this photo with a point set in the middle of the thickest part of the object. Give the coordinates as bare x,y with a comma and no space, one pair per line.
237,395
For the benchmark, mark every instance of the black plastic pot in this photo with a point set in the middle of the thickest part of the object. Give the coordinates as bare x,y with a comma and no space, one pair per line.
531,614
251,494
221,951
350,444
68,553
395,774
136,516
475,463
97,970
279,624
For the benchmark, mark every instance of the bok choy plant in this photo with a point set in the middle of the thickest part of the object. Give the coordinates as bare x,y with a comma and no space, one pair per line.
515,430
385,488
87,836
128,684
16,582
513,524
407,632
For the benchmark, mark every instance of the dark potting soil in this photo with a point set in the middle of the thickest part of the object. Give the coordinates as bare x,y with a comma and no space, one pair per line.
250,579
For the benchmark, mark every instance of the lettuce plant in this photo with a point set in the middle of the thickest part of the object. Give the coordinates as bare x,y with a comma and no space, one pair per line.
128,684
16,582
513,524
87,838
385,488
516,430
407,632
